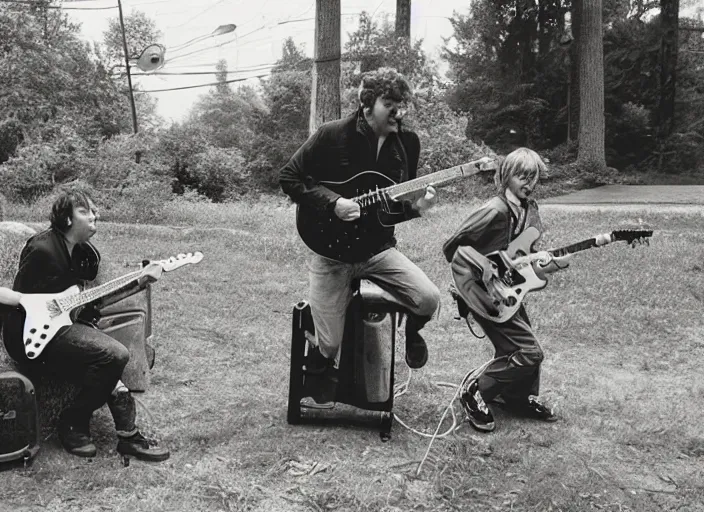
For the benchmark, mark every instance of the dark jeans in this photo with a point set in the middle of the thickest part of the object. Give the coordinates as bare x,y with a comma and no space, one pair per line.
94,361
517,376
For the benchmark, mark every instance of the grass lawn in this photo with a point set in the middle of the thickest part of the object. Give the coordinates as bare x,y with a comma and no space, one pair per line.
622,330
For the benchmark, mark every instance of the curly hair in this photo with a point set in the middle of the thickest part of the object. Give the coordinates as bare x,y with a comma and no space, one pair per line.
384,83
524,163
62,209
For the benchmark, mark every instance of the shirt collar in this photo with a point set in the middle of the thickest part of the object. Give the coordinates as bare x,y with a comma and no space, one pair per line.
512,199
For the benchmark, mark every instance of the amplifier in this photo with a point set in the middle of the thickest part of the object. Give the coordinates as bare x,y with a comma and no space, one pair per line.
19,421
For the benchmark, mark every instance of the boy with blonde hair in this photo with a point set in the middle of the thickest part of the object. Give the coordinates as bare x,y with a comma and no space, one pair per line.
514,376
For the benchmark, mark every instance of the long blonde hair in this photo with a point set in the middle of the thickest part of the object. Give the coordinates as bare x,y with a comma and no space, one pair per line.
522,162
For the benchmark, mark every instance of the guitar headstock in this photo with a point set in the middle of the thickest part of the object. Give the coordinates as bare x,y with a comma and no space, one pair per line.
486,163
177,261
632,236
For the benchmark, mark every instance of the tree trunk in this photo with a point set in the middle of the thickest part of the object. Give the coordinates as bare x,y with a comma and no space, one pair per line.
669,17
325,94
526,31
591,86
543,29
573,83
403,20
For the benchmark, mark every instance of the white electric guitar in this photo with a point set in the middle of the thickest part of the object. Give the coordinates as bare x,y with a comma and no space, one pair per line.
519,271
46,313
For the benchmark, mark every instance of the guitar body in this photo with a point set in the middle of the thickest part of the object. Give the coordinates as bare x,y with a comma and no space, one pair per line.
514,282
326,234
43,319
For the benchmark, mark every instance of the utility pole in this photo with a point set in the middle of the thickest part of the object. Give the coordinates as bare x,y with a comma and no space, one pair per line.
325,94
403,20
129,76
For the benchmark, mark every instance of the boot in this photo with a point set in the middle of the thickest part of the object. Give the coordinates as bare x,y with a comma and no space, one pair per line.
416,349
141,448
74,435
129,440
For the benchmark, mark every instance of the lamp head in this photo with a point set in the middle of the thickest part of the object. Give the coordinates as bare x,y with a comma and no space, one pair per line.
151,58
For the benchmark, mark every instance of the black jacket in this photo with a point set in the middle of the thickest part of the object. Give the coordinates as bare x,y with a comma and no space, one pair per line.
338,151
46,267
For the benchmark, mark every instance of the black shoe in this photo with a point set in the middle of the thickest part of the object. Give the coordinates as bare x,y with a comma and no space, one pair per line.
478,413
322,378
416,349
141,448
536,410
317,363
75,438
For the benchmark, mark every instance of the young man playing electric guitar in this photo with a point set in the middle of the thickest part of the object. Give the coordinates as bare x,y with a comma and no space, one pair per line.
371,139
514,376
52,261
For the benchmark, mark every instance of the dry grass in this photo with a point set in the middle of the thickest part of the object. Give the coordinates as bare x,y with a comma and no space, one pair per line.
622,330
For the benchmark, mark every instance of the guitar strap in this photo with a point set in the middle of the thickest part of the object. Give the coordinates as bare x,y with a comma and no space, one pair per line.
404,159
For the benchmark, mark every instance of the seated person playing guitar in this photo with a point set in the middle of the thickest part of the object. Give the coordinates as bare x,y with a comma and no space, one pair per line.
348,242
514,376
52,261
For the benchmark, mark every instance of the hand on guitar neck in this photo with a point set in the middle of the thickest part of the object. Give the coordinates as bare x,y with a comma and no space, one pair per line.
428,200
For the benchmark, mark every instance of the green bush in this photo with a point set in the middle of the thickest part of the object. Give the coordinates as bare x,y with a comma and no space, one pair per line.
219,172
37,167
11,245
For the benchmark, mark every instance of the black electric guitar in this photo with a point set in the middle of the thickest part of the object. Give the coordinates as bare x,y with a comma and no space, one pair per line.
521,271
380,200
46,313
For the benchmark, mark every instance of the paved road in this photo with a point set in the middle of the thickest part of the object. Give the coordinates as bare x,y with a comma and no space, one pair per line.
676,195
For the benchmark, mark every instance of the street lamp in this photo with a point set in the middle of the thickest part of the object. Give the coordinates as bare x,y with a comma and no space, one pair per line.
152,57
222,29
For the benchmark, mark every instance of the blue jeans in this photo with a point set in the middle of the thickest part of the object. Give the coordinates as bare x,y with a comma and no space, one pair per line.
331,292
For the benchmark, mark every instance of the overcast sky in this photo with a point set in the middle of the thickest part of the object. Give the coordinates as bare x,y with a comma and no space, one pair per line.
262,26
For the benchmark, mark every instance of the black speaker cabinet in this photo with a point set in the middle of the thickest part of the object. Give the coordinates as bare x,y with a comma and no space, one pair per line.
19,421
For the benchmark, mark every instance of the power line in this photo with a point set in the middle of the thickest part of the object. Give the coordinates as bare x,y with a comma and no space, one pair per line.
227,72
199,14
59,7
206,85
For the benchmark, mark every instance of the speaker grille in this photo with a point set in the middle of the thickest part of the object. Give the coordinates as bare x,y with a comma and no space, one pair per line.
15,416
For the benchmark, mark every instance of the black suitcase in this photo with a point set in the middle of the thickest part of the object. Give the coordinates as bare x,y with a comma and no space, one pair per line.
19,421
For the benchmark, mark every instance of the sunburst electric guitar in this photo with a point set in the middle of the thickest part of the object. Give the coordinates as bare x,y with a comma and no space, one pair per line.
46,313
380,201
520,271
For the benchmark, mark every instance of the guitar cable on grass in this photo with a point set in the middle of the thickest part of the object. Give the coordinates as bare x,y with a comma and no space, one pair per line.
402,389
469,376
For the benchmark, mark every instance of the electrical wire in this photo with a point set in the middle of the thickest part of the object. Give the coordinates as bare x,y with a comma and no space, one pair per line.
59,7
227,72
199,14
205,85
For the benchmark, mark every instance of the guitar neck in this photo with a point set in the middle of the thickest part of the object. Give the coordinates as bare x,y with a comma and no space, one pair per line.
590,243
434,179
85,297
